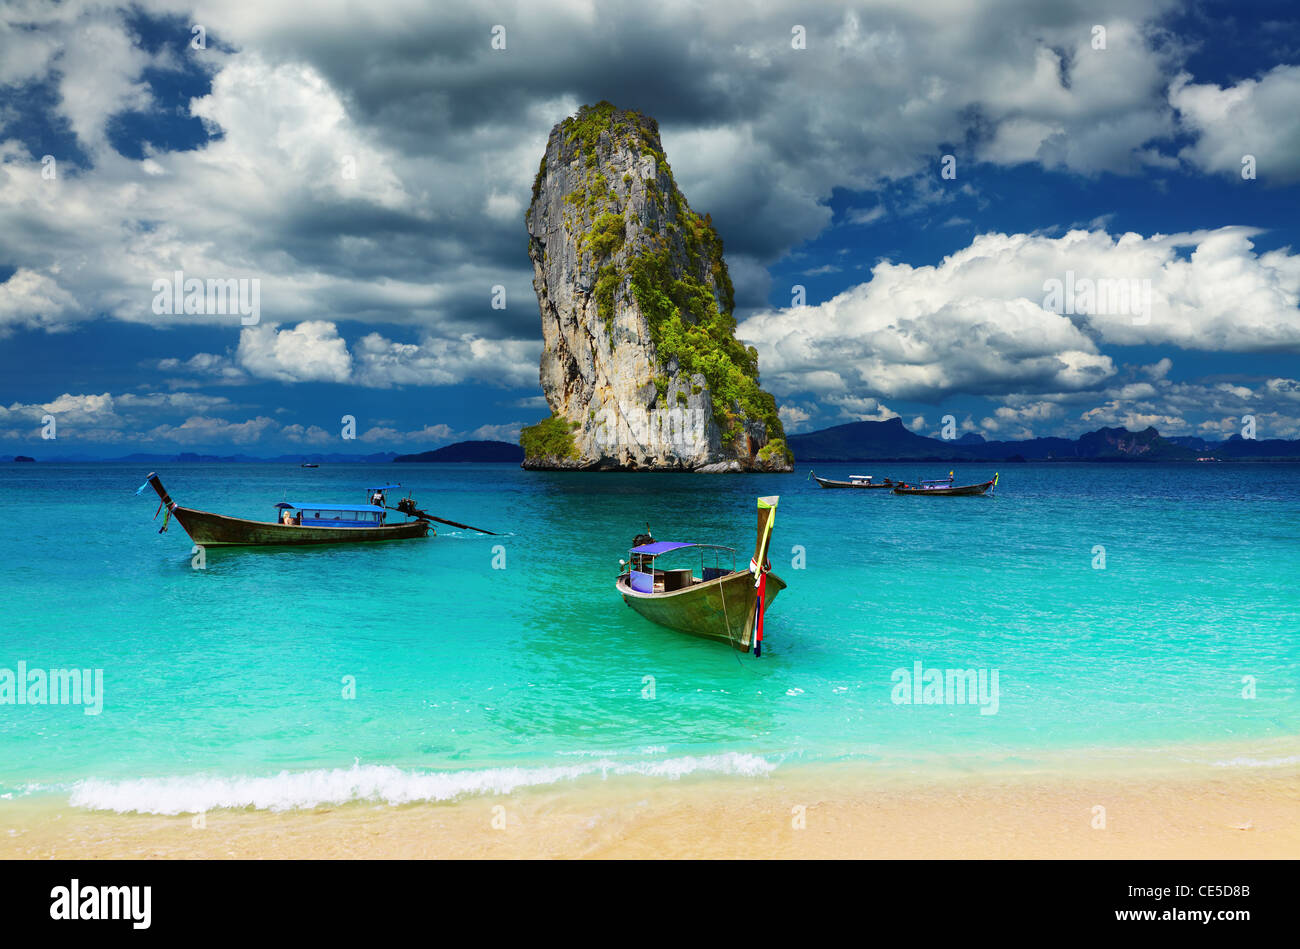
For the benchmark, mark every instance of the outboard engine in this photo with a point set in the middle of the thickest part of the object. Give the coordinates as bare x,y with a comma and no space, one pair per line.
407,506
642,539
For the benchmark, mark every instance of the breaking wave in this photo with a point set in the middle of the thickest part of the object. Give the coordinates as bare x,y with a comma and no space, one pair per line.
378,783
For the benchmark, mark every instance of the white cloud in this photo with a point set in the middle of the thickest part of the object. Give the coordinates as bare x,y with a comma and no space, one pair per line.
432,434
308,435
382,362
444,141
976,322
203,430
310,352
430,220
792,417
204,368
859,409
35,300
505,432
1258,117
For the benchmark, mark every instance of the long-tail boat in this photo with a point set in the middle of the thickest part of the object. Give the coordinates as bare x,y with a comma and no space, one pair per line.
296,523
863,482
945,488
722,604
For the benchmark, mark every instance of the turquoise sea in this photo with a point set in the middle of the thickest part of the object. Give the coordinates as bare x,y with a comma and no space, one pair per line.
225,686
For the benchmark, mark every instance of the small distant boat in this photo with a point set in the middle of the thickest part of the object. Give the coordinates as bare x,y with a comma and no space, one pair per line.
723,604
945,487
308,464
866,482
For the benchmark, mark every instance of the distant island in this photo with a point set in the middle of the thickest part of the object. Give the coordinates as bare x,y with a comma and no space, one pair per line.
890,440
480,451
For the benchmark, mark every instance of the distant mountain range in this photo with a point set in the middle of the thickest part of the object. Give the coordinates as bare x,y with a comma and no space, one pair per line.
855,441
460,451
891,441
470,451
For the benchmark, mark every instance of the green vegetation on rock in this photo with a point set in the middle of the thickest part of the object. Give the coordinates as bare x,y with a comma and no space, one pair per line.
604,238
550,438
687,325
607,280
541,176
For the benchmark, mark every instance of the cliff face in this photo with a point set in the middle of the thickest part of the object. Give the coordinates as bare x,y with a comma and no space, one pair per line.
640,367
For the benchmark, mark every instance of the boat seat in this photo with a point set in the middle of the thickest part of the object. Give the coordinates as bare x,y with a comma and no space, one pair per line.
676,580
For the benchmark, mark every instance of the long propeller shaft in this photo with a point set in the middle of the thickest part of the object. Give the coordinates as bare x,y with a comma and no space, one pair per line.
424,516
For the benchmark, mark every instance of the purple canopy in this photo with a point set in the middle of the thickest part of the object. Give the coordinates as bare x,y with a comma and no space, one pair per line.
661,547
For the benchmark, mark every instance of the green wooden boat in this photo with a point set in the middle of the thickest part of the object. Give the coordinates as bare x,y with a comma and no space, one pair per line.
296,524
719,603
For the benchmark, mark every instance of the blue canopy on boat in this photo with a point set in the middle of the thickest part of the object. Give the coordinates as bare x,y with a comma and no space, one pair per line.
300,506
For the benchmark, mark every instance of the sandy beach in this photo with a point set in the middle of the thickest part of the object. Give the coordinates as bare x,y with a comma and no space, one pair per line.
814,812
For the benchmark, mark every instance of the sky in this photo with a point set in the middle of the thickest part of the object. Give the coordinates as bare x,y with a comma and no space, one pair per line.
1038,219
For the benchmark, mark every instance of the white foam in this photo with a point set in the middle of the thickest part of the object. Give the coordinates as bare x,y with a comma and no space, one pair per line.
1246,762
380,783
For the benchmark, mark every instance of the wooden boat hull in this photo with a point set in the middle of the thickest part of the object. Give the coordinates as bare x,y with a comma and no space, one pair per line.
217,530
721,609
828,483
961,490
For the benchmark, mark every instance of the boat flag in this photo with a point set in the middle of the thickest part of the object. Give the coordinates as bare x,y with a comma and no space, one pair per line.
766,515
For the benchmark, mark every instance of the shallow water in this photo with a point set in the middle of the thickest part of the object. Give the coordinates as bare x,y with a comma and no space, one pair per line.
216,680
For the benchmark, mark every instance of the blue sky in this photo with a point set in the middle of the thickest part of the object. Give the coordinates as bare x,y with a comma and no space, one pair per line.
371,173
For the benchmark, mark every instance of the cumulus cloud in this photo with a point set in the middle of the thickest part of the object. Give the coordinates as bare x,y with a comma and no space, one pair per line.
34,300
202,369
431,435
102,417
203,430
318,181
1211,408
315,351
980,321
1256,117
382,363
372,170
793,417
312,351
89,51
190,419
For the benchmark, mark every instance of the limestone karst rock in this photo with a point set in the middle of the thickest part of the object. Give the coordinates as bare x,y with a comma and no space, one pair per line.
641,367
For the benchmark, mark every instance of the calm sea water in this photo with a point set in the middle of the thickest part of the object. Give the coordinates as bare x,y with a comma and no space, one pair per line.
225,685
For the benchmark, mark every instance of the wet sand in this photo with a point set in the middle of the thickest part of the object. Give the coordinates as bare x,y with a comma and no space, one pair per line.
844,812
